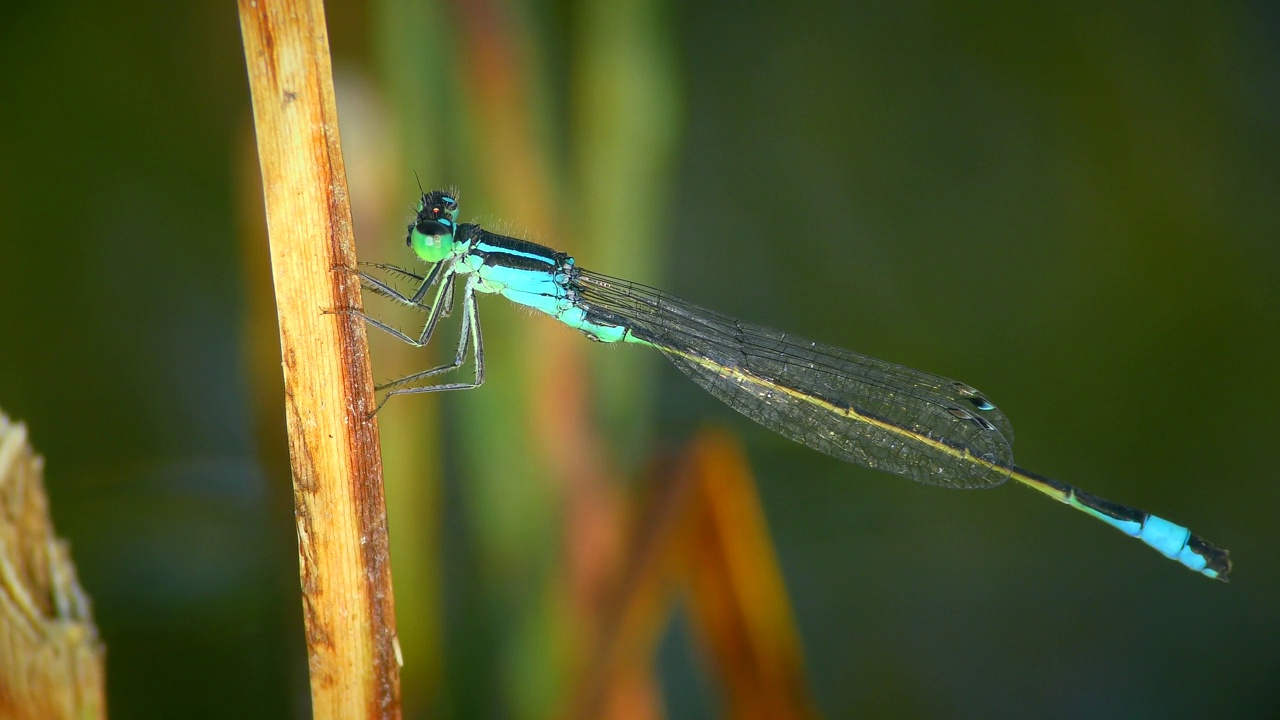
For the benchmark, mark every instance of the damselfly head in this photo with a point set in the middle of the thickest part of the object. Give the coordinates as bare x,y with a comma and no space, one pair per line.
431,232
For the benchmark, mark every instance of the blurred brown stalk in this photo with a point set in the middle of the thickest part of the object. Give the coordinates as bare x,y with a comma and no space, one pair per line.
51,661
702,535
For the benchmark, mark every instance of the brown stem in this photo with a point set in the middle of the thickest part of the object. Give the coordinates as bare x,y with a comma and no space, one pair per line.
333,444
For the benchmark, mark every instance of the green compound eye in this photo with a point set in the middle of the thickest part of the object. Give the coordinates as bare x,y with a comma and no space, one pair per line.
431,240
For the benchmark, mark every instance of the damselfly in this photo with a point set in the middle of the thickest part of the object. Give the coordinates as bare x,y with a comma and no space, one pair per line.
850,406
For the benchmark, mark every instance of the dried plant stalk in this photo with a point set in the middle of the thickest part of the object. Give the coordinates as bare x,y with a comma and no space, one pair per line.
333,443
51,661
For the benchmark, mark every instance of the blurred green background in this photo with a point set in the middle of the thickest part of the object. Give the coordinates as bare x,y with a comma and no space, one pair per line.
1072,209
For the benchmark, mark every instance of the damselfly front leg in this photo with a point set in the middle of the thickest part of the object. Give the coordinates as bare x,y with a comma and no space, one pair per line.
384,289
440,307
